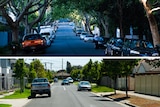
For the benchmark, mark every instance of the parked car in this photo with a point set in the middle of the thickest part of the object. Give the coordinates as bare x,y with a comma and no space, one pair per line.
99,42
65,82
84,85
78,32
33,42
70,80
48,32
47,41
136,47
40,86
88,38
113,46
83,35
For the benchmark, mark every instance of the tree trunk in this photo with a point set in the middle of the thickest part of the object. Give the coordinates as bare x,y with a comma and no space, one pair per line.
15,34
115,83
120,17
152,23
105,26
126,87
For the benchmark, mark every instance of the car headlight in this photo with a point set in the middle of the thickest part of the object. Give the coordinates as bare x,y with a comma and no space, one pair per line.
134,52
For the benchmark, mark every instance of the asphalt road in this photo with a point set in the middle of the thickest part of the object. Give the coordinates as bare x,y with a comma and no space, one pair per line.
68,96
67,43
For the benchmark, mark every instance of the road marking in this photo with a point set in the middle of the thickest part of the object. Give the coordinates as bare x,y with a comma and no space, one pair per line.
64,88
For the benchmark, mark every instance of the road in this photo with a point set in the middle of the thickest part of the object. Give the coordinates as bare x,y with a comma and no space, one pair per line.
68,96
67,43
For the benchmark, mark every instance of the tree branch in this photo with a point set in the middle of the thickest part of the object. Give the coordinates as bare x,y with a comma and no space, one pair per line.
155,9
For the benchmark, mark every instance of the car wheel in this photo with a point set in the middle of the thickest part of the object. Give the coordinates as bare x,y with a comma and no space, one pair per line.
112,52
33,95
49,94
89,90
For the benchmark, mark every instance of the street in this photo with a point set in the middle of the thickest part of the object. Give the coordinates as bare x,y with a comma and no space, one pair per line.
68,96
67,43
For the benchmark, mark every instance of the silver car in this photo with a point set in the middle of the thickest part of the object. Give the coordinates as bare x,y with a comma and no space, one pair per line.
84,85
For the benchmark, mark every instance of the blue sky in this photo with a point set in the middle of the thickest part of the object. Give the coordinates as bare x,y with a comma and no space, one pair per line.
57,63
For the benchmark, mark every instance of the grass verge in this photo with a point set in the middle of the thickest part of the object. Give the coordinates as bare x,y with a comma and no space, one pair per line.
5,105
97,89
18,95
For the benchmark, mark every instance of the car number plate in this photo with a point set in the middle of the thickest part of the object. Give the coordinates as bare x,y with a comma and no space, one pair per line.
33,47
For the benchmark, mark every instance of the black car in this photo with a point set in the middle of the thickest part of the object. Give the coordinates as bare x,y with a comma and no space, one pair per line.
113,46
100,42
136,47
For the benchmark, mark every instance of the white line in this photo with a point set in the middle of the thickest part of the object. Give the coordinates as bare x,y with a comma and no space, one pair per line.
64,88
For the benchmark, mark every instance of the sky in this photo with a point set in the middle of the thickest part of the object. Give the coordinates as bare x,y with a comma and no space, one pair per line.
58,63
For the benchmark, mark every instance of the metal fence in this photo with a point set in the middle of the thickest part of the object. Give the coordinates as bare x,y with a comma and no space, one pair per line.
148,84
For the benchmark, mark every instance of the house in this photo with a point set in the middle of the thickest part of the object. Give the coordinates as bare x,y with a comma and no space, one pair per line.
6,72
147,79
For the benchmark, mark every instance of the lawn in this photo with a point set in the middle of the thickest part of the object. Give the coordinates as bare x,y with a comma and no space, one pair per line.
101,89
5,105
18,95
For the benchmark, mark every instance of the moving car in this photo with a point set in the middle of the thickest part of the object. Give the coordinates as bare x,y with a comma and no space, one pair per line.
136,47
32,42
113,46
40,86
70,80
84,85
65,82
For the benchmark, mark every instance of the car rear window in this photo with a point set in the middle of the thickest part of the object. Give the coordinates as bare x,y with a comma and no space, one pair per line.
40,80
32,37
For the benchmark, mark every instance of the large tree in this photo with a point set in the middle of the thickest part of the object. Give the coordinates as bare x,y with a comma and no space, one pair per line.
20,71
16,11
149,8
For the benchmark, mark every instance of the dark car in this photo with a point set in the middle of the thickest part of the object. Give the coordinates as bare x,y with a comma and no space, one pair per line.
33,42
135,47
113,46
65,82
100,42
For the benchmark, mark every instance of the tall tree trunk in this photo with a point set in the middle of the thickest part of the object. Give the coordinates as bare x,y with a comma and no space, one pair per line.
105,26
120,7
152,23
126,87
15,34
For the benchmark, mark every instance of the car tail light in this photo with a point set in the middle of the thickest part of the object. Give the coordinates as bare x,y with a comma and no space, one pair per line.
49,85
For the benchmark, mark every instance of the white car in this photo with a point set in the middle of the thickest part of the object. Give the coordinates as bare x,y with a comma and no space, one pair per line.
48,42
49,32
89,38
70,80
83,35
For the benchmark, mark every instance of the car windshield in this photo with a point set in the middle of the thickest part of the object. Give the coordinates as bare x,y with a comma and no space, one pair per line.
118,42
84,83
32,37
142,44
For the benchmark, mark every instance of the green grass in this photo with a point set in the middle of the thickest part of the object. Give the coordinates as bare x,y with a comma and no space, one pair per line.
5,105
18,95
101,89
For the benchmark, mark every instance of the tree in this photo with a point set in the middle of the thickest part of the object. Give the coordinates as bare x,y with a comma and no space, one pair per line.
16,11
20,71
152,21
38,67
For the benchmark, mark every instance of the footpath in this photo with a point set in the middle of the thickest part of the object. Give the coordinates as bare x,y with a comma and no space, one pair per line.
24,101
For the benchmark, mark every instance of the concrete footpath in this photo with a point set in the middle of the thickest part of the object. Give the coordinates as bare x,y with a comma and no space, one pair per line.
24,101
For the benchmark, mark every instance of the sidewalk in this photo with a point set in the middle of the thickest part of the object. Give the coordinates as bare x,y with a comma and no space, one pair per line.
14,102
127,102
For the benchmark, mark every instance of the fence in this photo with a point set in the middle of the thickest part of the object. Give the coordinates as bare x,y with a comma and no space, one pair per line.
9,83
148,84
121,83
